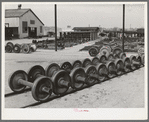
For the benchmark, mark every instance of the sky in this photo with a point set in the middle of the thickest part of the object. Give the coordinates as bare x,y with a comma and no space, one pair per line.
85,15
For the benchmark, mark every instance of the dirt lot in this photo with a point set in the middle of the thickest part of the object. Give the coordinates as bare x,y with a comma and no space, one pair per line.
125,91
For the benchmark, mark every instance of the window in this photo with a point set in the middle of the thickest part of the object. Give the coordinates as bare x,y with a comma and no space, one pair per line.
40,29
32,21
24,27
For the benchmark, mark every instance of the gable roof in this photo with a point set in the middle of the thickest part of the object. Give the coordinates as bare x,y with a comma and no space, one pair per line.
85,28
15,12
10,13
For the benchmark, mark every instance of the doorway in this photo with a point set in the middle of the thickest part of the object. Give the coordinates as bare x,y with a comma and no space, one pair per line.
32,32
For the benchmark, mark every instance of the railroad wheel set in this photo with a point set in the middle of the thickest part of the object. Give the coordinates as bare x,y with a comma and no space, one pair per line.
62,43
58,79
20,48
112,46
104,49
46,43
42,44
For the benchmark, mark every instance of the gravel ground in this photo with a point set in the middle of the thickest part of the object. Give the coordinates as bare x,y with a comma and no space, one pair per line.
125,91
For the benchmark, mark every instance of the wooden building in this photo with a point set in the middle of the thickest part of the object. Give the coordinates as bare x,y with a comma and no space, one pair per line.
93,31
21,23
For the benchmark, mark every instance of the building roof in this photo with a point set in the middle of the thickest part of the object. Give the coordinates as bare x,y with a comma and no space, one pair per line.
81,32
15,12
85,28
11,13
126,31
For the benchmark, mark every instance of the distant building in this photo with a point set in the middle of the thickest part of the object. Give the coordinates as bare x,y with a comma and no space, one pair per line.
50,31
131,32
94,30
68,29
20,23
140,30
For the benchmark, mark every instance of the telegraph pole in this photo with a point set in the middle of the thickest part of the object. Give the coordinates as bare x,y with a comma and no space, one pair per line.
123,26
55,27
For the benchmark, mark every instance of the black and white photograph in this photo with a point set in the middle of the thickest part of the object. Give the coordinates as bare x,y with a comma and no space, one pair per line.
74,61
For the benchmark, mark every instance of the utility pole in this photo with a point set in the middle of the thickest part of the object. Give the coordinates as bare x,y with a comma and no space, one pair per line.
55,27
123,26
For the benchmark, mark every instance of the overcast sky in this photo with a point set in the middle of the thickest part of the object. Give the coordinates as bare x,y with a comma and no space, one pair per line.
83,15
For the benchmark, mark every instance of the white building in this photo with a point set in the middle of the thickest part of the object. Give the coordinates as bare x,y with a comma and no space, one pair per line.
68,29
22,23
